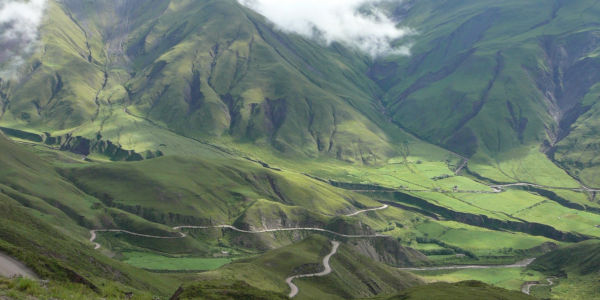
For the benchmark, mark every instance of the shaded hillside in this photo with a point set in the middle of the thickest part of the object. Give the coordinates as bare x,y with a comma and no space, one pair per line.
578,259
185,191
572,269
459,291
39,226
528,86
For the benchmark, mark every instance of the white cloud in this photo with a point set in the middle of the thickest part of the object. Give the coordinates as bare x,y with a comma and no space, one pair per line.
19,24
343,21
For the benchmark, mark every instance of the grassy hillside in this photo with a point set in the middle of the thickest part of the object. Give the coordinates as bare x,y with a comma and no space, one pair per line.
218,290
504,79
216,117
353,275
185,191
235,78
458,291
497,82
574,270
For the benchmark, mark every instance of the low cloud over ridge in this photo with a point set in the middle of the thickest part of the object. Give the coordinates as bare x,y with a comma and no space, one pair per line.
19,24
343,21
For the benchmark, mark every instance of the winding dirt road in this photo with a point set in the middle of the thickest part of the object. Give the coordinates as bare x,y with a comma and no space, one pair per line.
526,288
10,267
97,246
294,289
367,210
520,264
281,229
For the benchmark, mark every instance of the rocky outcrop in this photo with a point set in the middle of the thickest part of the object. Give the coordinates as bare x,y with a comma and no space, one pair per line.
82,145
390,252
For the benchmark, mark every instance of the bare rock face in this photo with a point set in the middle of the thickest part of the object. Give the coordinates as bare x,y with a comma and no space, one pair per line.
390,252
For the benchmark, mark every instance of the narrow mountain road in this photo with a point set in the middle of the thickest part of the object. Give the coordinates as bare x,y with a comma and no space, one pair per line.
367,210
521,264
97,246
280,230
294,289
526,288
93,233
10,267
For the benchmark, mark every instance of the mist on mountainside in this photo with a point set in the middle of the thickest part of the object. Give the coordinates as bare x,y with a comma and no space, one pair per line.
356,23
19,24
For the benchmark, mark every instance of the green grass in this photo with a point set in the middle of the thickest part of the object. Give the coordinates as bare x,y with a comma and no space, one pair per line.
575,268
350,270
196,71
563,218
226,290
479,240
511,279
458,291
181,191
25,289
163,263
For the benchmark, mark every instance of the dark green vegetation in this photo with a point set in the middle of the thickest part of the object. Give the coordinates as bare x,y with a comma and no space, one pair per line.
147,115
458,291
217,290
574,269
353,275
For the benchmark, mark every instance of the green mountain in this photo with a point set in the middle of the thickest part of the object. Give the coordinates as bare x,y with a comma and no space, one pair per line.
179,67
195,149
530,68
574,268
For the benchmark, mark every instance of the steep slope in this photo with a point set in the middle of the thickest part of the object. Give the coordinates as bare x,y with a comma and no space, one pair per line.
203,69
186,191
573,269
493,79
497,82
39,226
224,291
353,275
458,291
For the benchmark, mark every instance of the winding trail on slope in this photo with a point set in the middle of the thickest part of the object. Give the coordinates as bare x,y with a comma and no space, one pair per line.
93,233
97,246
526,288
520,264
367,210
294,289
280,229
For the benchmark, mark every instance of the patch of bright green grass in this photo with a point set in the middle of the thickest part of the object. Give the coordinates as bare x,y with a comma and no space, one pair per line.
481,241
511,279
523,165
163,263
563,218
